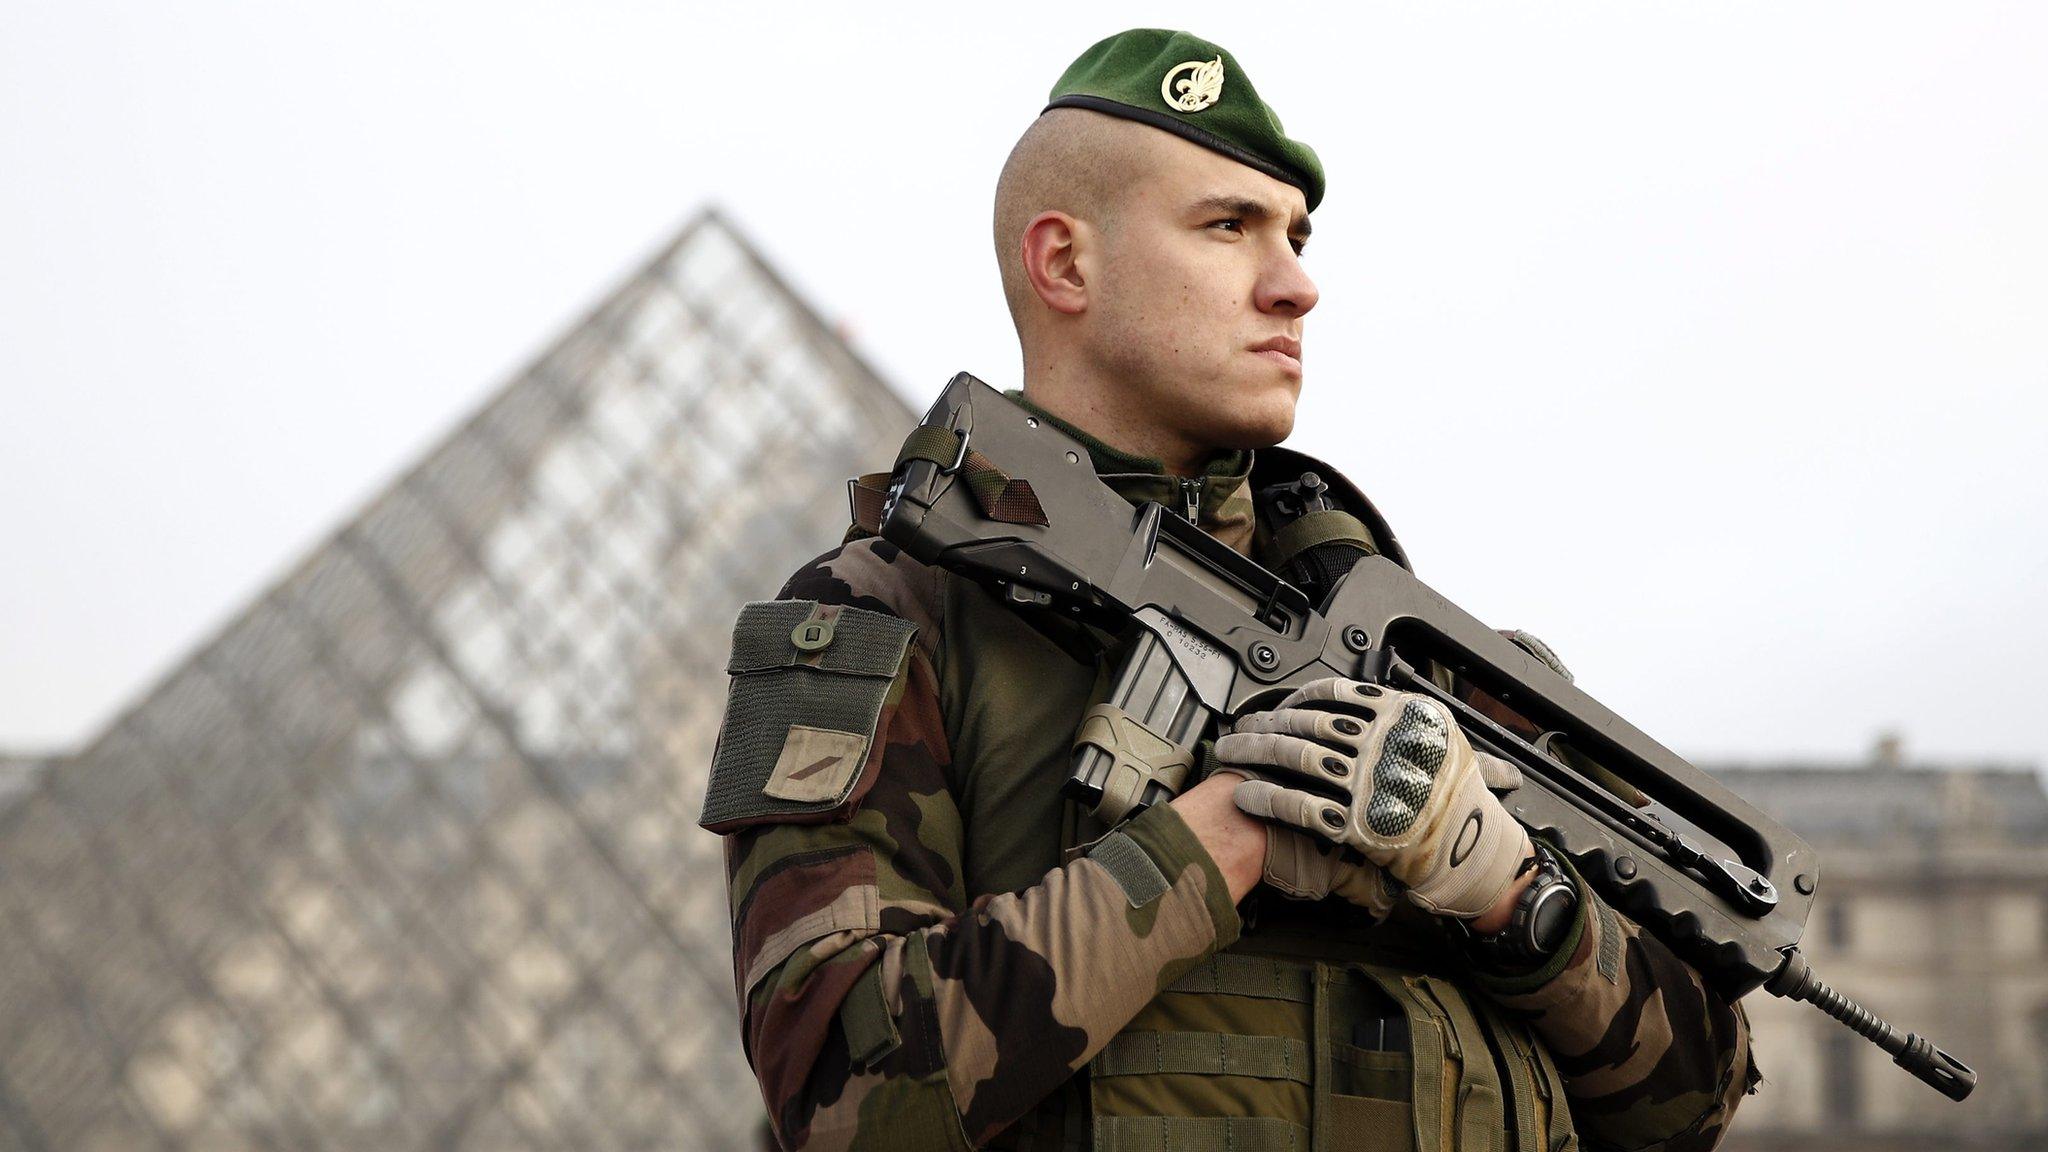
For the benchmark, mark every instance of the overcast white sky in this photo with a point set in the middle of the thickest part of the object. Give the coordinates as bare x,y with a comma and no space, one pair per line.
1705,340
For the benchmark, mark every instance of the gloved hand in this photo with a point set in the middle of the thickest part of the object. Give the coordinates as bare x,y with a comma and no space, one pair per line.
1310,868
1389,775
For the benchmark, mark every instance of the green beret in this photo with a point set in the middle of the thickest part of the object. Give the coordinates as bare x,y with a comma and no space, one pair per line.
1191,88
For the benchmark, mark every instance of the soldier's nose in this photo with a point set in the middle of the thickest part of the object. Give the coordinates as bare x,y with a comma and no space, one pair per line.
1287,291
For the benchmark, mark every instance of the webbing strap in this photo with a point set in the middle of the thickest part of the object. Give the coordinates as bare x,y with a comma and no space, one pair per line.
1204,1054
865,495
864,1016
941,446
1520,1061
1482,1120
1003,499
1320,527
1229,974
1558,1135
1199,1134
1427,1032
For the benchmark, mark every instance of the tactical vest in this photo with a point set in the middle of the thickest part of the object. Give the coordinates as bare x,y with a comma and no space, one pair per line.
1317,1029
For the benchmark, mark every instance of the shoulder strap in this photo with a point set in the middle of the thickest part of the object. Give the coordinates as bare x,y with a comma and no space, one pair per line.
1329,526
866,495
1001,497
1273,465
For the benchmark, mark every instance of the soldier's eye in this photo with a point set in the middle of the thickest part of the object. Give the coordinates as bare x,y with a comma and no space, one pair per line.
1229,224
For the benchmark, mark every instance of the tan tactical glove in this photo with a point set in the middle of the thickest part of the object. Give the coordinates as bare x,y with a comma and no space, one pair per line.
1310,868
1390,775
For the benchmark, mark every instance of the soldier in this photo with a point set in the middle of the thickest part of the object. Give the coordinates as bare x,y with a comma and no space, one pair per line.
933,949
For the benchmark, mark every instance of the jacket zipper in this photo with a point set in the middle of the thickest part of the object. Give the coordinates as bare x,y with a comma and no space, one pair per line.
1191,492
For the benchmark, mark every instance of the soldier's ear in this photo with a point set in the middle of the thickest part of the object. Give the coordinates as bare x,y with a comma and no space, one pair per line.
1052,244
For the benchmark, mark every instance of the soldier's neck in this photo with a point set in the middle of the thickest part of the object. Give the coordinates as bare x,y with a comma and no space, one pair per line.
1141,442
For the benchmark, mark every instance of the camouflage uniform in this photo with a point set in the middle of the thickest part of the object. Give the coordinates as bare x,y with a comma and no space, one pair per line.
949,955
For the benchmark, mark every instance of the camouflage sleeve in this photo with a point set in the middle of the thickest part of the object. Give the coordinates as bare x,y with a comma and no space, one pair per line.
878,1003
1650,1057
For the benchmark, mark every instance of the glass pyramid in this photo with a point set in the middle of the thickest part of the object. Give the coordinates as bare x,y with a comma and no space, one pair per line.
406,857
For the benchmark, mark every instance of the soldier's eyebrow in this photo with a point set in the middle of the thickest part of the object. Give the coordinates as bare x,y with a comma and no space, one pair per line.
1251,209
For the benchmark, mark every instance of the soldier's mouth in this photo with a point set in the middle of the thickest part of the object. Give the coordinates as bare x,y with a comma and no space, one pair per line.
1282,350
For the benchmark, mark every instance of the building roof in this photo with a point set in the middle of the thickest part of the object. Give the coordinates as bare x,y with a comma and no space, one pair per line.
1841,802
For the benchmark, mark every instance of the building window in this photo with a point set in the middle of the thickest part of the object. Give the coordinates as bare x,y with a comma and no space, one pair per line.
1835,925
1841,1086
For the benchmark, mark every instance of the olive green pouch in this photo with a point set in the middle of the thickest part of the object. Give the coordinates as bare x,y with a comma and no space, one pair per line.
809,683
1373,1099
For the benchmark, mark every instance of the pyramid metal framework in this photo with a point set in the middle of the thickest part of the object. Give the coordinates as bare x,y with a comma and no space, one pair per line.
406,857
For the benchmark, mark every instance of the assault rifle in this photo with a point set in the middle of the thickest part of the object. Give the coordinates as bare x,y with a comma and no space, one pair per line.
991,492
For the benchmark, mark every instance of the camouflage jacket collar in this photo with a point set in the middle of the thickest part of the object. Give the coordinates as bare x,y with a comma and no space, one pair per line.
1221,497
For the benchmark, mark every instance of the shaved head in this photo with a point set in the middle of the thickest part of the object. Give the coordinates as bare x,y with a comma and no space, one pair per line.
1070,160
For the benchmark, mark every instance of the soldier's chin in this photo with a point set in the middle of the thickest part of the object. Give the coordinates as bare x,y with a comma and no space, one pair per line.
1261,419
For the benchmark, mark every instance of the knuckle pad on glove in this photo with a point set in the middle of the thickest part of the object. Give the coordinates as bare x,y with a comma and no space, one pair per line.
1405,772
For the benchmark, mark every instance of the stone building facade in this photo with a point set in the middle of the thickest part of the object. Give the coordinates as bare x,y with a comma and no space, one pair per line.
1932,912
